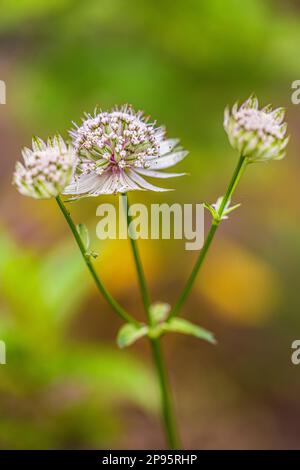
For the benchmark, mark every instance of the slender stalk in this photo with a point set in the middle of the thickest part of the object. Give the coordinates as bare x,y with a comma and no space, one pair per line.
210,236
114,304
165,390
139,267
168,415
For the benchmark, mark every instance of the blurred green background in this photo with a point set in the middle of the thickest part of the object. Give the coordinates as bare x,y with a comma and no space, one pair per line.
66,385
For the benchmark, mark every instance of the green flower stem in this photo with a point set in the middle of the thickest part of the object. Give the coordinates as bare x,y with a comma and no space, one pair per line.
166,396
114,304
215,223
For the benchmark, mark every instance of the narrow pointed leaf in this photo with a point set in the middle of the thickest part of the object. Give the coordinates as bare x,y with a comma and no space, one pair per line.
211,209
128,334
179,325
232,208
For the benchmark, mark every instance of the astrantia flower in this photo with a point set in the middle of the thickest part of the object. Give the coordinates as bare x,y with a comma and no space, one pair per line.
117,149
259,135
47,168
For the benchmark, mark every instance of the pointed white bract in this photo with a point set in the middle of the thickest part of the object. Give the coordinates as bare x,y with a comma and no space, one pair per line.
258,134
47,168
116,150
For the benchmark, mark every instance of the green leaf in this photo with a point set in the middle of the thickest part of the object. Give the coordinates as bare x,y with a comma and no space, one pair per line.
84,235
179,325
232,208
210,208
129,333
159,311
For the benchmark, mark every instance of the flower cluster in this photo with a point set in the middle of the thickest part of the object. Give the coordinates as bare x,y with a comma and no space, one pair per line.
259,135
113,151
119,137
47,168
116,149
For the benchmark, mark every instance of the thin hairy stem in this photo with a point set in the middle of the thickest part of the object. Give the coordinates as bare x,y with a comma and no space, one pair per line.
210,236
120,311
165,390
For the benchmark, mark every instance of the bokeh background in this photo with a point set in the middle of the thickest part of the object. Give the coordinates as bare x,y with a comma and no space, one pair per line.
66,384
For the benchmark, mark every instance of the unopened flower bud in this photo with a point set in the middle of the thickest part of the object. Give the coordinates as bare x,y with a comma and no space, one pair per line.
258,134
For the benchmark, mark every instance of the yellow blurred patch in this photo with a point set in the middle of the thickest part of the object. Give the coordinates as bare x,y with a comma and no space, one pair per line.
242,286
116,267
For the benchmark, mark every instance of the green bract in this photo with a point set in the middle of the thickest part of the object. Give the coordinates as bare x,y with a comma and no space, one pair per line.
129,333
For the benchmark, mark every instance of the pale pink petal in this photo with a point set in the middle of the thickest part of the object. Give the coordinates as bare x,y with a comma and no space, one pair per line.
108,186
131,185
143,183
157,174
167,146
169,160
83,184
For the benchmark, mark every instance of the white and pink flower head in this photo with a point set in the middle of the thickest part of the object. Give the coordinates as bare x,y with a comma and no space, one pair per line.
117,149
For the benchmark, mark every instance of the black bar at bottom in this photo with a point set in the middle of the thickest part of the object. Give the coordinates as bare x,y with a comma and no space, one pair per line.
136,458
